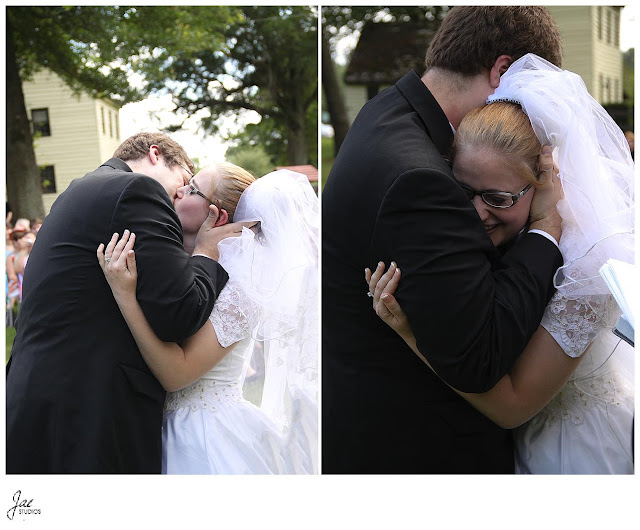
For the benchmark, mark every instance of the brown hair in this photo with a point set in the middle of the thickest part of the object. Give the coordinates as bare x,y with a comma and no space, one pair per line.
471,38
504,128
228,184
137,146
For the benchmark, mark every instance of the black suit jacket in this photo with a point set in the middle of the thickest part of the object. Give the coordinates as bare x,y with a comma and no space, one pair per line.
80,398
392,196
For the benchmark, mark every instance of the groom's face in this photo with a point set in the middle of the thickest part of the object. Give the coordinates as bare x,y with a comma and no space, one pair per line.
485,170
172,178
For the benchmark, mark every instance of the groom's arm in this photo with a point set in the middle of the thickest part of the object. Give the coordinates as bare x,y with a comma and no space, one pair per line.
472,314
176,292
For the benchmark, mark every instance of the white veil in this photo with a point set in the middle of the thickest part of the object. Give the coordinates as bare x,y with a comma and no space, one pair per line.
277,269
596,170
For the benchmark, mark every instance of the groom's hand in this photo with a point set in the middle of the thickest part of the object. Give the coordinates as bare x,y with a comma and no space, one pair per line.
211,233
544,214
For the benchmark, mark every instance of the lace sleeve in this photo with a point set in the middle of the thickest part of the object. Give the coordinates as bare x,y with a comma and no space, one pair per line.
575,323
232,315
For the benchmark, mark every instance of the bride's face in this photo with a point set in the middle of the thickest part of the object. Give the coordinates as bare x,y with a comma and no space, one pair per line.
487,170
191,207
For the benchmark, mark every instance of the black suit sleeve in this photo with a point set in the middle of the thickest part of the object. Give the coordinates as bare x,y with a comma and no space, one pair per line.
176,292
472,313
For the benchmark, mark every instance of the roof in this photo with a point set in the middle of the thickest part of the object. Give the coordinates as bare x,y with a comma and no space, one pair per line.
386,51
308,170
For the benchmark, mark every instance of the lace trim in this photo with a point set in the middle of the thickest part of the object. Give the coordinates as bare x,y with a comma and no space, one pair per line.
231,315
203,394
609,389
574,323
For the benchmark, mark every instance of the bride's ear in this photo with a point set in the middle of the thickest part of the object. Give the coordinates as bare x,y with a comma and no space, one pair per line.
223,218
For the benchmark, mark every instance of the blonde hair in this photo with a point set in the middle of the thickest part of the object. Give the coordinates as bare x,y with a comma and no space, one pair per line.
228,184
506,129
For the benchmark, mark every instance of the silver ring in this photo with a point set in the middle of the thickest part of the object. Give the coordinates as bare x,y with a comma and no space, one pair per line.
369,294
107,260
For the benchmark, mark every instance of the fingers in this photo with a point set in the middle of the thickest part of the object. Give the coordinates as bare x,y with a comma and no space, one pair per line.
120,255
131,262
367,275
545,164
383,281
100,255
393,283
110,246
377,274
389,302
117,250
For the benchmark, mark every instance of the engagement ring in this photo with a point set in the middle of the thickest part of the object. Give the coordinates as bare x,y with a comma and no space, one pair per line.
370,294
107,260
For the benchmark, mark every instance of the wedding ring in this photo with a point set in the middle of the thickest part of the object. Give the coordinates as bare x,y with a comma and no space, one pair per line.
369,294
107,260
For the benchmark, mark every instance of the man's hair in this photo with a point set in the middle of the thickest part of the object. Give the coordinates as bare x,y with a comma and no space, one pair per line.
137,146
505,129
471,38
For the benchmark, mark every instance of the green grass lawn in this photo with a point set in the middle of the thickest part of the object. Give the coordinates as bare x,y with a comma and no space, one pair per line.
327,158
11,334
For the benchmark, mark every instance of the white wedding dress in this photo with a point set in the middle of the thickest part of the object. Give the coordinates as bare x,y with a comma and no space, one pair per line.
268,308
587,427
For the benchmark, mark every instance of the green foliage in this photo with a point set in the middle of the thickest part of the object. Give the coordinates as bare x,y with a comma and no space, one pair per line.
269,66
254,159
9,336
340,21
628,76
270,136
95,48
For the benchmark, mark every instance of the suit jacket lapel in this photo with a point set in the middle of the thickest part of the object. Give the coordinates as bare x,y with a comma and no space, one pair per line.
426,106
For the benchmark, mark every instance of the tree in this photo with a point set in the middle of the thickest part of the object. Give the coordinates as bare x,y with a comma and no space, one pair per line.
340,21
254,159
225,59
93,49
270,68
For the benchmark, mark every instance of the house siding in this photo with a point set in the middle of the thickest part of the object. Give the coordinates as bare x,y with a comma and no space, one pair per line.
76,144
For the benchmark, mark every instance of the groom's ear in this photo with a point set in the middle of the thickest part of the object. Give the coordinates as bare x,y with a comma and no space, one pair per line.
500,66
223,218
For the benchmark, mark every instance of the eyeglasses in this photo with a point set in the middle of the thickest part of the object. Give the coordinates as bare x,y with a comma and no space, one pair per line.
186,169
192,189
495,199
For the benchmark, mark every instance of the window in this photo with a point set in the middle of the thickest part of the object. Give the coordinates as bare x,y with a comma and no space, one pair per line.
110,125
616,95
616,29
48,179
104,129
599,22
609,28
40,122
117,125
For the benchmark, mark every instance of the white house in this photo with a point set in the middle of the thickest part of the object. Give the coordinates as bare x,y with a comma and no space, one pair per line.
74,134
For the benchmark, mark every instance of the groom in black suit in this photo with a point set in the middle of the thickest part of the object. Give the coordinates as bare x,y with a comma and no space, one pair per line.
80,398
391,195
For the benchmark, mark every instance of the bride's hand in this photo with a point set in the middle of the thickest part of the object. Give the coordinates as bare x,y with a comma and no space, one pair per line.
118,262
382,285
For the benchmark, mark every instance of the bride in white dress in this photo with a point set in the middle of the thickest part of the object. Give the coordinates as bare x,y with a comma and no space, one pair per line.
266,316
570,394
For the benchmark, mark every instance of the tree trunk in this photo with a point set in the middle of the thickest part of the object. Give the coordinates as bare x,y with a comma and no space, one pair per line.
24,190
297,144
333,96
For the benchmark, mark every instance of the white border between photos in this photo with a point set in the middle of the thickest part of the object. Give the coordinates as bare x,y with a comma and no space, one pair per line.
340,501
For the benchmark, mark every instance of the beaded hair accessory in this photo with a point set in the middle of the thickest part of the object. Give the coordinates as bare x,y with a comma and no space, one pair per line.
504,100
